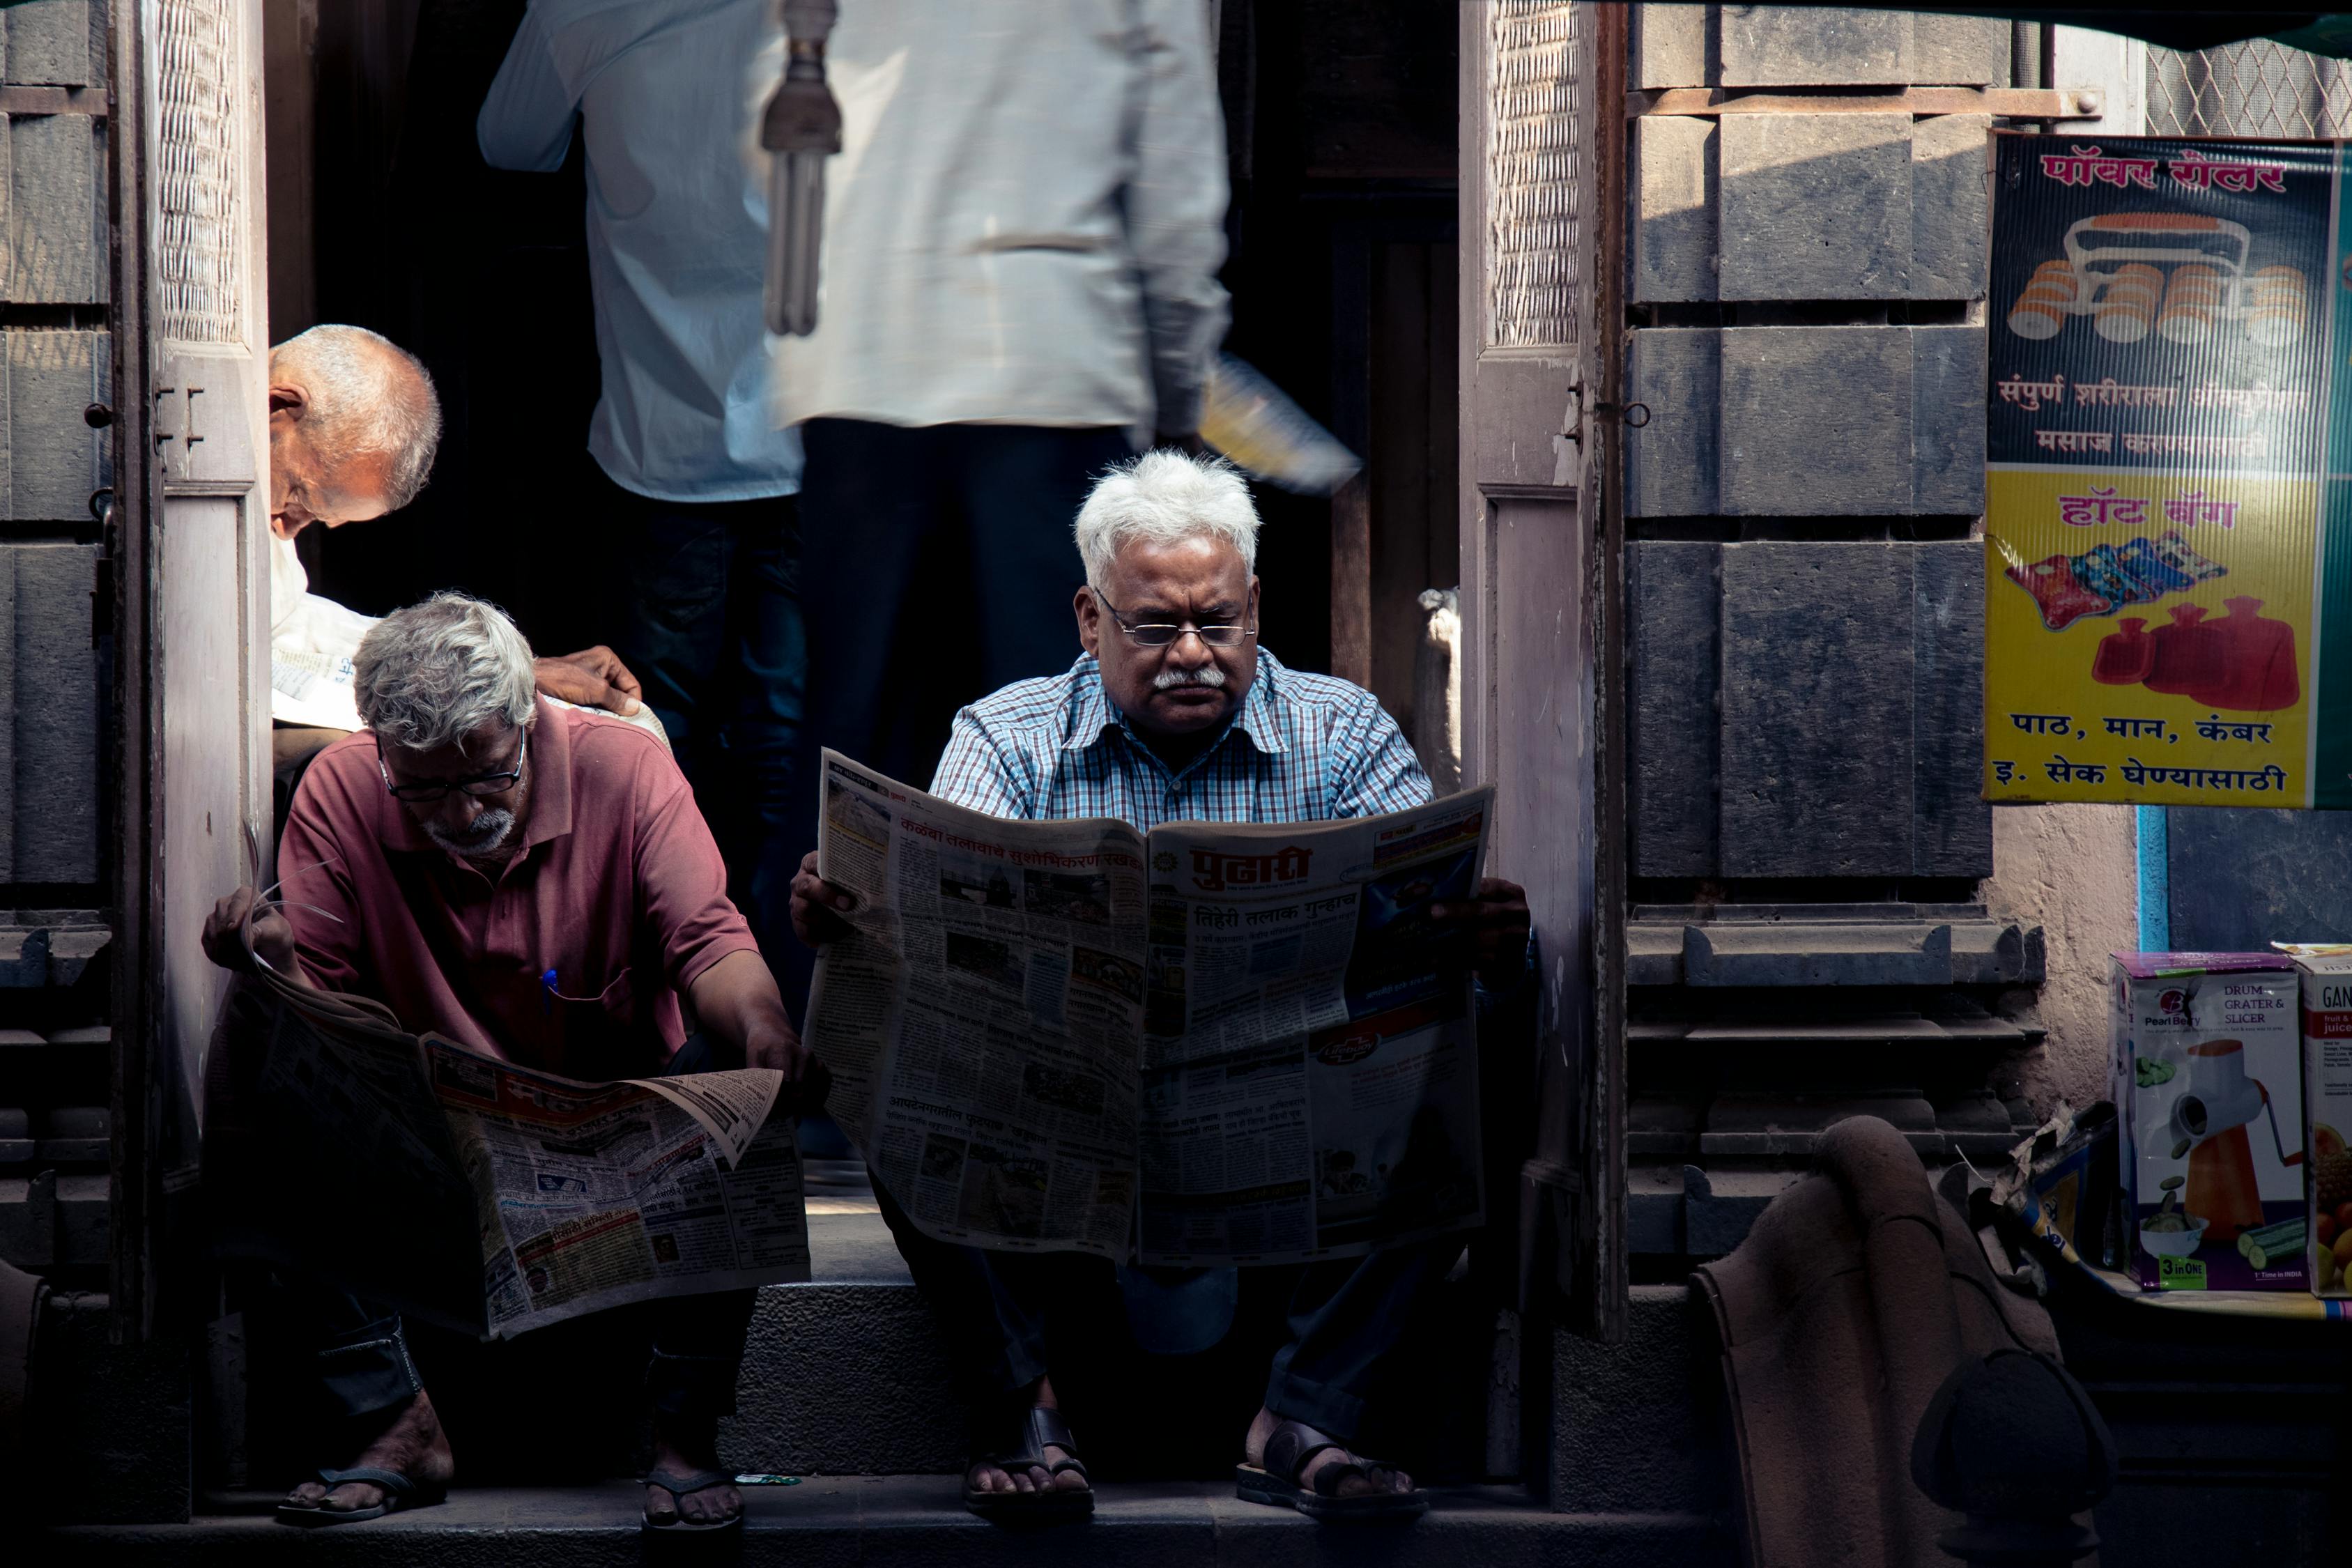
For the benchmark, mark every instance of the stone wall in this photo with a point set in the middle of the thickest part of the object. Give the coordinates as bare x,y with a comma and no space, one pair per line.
1812,935
55,361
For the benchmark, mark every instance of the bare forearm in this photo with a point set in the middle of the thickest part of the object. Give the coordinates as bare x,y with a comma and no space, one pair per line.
738,1005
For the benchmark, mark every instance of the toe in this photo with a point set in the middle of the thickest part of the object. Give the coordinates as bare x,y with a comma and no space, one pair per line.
352,1496
660,1507
711,1505
310,1494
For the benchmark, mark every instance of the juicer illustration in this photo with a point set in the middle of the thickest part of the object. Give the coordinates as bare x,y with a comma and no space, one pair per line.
2210,1118
2113,273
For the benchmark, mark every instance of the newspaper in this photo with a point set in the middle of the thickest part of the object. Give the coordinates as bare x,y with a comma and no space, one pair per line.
497,1199
1220,1043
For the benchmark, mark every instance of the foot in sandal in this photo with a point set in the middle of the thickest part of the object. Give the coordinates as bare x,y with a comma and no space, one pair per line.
687,1488
1035,1471
1288,1464
407,1444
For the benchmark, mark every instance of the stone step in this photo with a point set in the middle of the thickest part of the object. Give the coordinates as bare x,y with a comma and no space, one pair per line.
847,1375
880,1521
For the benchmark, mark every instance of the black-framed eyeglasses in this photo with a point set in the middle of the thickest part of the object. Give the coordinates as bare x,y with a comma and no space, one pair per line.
478,785
1161,634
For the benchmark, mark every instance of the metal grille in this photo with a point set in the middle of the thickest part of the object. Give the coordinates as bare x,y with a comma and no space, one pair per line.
200,241
2254,88
1533,155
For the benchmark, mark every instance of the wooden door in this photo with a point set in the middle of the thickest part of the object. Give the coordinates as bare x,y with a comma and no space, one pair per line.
1540,202
189,539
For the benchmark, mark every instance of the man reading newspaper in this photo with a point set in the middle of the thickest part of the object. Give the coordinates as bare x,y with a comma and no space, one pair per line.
535,885
1173,714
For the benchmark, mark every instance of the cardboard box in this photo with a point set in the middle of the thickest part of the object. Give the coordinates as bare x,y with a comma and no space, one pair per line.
2327,1110
2207,1075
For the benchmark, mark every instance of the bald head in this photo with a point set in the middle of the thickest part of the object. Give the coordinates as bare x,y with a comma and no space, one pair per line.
353,423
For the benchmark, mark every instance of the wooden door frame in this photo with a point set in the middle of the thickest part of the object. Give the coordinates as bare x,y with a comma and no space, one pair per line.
1542,429
128,549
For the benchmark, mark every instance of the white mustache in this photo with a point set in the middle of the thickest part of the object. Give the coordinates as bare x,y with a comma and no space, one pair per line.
489,830
1208,675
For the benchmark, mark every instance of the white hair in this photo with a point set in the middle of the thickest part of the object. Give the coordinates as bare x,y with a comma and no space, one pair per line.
437,671
367,395
1164,497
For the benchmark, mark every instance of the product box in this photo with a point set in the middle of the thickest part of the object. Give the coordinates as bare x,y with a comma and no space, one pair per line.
2206,1078
2327,1114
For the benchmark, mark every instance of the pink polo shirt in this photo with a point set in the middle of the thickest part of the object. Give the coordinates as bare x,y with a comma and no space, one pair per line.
618,888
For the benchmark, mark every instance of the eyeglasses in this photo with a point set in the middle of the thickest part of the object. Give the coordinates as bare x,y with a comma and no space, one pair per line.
479,785
1160,634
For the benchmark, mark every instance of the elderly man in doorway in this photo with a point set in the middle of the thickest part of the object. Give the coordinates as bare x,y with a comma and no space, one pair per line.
472,852
1175,713
354,426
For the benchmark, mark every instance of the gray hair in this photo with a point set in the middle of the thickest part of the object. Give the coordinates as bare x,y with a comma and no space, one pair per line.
367,395
437,671
1164,497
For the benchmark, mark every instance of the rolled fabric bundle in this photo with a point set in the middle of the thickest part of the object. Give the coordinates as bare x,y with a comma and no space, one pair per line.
2127,309
2046,301
2194,299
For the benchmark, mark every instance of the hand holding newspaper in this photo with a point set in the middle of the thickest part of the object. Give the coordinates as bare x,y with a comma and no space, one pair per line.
1218,1043
494,1198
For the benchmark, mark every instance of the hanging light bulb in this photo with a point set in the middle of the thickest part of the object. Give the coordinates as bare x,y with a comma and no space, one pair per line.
800,129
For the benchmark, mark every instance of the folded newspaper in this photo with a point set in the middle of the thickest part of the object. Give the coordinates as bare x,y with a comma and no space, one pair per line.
487,1196
1216,1043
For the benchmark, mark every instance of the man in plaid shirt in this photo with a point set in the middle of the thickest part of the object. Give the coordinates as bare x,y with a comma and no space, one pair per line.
1175,714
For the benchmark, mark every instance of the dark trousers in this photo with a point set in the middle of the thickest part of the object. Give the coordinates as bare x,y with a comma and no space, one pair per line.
361,1351
1346,1315
710,622
939,566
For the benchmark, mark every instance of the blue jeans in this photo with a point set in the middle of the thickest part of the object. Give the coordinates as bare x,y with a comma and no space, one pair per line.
710,623
361,1351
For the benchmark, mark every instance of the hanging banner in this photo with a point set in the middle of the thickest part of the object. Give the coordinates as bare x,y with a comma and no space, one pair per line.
2167,512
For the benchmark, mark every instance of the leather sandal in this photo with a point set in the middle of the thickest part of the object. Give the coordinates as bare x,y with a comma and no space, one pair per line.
1041,1429
399,1492
677,1487
1287,1452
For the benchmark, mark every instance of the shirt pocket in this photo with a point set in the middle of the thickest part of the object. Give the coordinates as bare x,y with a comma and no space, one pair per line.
584,1027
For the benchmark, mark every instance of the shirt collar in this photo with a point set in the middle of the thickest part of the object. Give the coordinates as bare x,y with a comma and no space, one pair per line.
550,784
1092,714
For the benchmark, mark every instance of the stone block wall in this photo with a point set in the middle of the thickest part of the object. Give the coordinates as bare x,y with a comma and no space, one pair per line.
56,360
1806,275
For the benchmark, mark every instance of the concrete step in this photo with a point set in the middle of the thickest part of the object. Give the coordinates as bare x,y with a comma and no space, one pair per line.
875,1520
847,1375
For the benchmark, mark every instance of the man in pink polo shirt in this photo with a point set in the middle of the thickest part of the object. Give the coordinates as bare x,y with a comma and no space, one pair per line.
536,883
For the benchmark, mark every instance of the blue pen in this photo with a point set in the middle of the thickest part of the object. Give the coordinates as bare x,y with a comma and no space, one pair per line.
547,1002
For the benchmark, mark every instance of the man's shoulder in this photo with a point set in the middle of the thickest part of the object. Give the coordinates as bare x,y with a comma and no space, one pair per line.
1304,690
1039,707
604,746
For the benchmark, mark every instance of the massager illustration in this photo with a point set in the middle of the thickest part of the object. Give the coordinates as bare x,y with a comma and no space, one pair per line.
2210,1119
2113,273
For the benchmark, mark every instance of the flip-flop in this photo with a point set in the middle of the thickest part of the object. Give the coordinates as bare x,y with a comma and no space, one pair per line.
1042,1428
399,1492
677,1486
1275,1483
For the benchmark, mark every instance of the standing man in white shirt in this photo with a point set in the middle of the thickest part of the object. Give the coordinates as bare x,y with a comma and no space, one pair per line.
354,426
1022,239
701,480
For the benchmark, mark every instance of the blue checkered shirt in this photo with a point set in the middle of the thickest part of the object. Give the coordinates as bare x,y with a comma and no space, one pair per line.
1304,748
